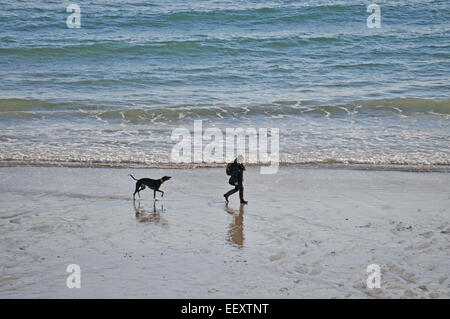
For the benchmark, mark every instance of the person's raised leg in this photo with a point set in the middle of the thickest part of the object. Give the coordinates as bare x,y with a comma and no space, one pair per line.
234,190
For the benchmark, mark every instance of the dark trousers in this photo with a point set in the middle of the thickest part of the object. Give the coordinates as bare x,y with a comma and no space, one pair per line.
239,188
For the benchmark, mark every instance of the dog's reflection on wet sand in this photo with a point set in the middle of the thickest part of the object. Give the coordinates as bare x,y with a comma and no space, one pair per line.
149,215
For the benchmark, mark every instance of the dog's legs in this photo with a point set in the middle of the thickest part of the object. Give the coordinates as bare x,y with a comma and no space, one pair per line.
162,193
139,187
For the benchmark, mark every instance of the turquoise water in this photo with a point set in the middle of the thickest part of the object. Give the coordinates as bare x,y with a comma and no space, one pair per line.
113,90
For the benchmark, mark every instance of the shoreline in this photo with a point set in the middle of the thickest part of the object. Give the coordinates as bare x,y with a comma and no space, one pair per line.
351,166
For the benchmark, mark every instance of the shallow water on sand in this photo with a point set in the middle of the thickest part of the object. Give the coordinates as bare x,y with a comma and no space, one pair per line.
305,233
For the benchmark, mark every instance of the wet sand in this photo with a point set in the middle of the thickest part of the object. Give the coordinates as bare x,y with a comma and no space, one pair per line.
306,233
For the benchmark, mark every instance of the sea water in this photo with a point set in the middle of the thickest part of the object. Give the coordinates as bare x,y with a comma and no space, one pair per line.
113,90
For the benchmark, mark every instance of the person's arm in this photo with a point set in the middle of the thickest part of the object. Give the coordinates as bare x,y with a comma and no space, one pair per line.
234,173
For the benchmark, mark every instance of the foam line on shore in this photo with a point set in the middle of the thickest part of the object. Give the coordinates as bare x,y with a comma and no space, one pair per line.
365,166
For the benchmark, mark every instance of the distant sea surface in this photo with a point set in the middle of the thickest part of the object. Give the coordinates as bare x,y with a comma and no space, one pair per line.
112,91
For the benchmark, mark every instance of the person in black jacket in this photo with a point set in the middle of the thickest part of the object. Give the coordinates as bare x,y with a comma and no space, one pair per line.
236,179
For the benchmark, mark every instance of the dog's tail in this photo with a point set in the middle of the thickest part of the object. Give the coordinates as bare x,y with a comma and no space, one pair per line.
132,177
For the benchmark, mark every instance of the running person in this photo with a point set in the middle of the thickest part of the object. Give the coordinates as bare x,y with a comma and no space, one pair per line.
236,179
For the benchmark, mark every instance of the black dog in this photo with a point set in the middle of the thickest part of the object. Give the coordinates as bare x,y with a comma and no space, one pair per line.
154,184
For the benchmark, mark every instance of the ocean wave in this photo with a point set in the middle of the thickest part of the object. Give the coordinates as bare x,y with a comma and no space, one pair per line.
23,108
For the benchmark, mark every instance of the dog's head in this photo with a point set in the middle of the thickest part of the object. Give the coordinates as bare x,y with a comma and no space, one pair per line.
165,178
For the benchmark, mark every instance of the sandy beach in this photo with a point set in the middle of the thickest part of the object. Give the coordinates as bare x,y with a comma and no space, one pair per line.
306,233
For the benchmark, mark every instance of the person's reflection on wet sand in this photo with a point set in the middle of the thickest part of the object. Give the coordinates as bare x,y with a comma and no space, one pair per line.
143,215
236,231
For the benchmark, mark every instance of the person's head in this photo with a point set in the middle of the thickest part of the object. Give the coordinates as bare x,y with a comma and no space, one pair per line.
240,159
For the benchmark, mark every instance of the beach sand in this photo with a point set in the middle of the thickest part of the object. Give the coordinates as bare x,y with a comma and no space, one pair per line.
306,233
